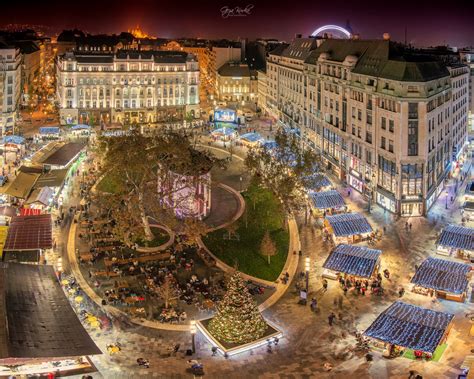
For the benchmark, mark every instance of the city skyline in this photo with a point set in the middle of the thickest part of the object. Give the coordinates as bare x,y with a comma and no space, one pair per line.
424,26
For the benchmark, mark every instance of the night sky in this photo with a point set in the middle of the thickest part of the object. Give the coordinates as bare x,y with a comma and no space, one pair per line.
427,24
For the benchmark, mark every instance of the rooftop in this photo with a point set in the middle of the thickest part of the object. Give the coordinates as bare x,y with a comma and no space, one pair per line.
410,326
327,199
442,275
29,233
353,260
458,237
36,319
233,69
349,224
158,56
62,154
382,58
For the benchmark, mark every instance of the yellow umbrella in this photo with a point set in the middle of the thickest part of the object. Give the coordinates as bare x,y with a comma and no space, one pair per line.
79,299
65,282
95,324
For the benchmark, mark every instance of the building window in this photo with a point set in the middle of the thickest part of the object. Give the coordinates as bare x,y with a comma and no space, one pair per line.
391,125
390,146
382,143
384,123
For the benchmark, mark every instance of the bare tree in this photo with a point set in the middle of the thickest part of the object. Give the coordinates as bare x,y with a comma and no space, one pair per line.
267,247
167,292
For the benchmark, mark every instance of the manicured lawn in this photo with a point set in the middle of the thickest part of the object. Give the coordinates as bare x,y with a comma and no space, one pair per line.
107,184
267,215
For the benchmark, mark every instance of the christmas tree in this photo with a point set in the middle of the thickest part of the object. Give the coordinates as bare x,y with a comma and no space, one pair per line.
238,319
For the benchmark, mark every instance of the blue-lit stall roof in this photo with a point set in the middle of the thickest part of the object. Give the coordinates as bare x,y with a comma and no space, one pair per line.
327,199
410,326
17,140
353,260
442,275
458,237
349,224
49,130
80,127
316,181
252,137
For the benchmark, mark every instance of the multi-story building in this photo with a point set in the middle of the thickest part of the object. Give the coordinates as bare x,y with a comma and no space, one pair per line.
467,57
387,120
127,87
237,85
216,56
286,81
10,87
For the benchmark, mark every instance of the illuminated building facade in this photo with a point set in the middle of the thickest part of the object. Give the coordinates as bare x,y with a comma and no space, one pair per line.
390,122
127,87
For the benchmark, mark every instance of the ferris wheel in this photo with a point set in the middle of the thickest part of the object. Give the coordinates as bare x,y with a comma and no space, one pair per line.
334,31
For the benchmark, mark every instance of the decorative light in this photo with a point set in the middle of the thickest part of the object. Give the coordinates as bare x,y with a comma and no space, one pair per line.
331,27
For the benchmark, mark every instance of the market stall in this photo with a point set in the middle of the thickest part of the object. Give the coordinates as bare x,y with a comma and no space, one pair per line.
408,329
251,139
80,130
445,279
456,241
317,182
47,133
356,262
347,228
224,134
327,202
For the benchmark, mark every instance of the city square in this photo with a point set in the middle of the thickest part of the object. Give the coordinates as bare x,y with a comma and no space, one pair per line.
252,207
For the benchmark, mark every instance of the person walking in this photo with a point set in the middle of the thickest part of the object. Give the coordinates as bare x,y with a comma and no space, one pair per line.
325,285
314,304
345,290
331,318
386,274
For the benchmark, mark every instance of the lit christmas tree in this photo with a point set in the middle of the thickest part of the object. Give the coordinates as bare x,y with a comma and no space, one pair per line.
238,319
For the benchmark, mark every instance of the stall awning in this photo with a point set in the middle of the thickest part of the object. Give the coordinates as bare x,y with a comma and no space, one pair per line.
224,132
252,137
353,260
49,130
15,140
80,127
458,237
22,185
349,224
327,199
316,182
29,233
40,195
410,326
442,275
3,238
36,319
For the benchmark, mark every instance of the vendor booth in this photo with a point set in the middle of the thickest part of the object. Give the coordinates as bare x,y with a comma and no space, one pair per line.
80,130
352,261
347,228
224,134
251,139
457,241
317,182
445,279
49,133
13,148
411,331
327,202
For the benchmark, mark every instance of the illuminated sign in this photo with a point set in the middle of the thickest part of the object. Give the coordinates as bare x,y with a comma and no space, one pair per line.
224,115
331,27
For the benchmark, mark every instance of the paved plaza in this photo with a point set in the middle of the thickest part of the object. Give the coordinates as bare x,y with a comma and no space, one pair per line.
309,343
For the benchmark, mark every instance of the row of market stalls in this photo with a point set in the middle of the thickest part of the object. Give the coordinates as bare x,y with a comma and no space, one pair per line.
347,228
231,134
39,185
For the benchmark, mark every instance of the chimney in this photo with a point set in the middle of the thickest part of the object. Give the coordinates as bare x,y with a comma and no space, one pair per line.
298,35
386,36
356,36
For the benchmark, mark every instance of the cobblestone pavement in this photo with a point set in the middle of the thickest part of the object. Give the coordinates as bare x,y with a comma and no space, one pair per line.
309,341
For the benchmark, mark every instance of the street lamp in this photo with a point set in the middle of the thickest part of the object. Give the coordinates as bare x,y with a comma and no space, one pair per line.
240,185
193,334
306,210
306,268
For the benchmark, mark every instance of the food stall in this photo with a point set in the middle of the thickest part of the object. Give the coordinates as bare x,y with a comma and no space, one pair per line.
445,279
456,241
347,228
327,202
357,262
411,331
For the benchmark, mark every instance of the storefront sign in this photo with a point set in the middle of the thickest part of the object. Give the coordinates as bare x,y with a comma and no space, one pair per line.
356,183
386,202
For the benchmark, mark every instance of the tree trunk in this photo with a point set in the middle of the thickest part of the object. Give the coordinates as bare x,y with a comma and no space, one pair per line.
268,259
145,222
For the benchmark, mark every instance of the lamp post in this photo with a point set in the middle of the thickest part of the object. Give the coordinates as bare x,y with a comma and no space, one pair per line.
306,210
193,334
240,184
306,267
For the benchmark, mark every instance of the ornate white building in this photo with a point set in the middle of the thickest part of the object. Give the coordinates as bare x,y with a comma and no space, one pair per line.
127,87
